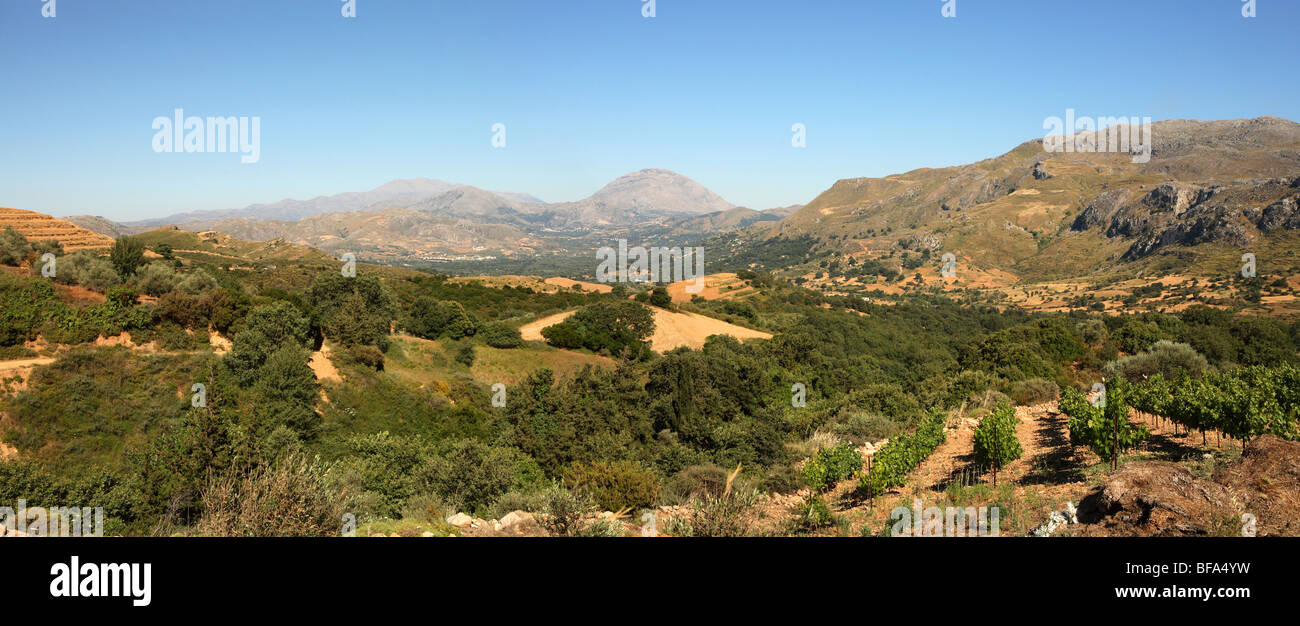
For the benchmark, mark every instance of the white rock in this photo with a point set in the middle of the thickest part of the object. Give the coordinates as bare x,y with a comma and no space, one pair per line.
460,520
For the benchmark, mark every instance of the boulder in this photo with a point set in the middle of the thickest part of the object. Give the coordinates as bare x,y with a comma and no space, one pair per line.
460,520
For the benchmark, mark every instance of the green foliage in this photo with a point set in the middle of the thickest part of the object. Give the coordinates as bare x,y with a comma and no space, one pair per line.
14,247
291,497
85,269
1166,358
465,354
24,304
615,485
609,327
1137,335
995,438
1106,429
831,465
659,297
431,319
155,278
1033,391
813,513
473,474
891,464
266,328
500,335
126,256
352,311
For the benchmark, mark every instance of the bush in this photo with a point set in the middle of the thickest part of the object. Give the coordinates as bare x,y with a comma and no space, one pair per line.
465,354
369,356
615,485
564,510
995,438
730,514
155,279
831,465
609,327
659,297
501,335
288,498
1033,391
474,474
14,247
122,296
1169,359
198,281
87,270
813,513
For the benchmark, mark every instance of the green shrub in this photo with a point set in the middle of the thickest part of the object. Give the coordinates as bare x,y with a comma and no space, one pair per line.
1033,391
891,464
127,256
369,356
813,513
995,439
615,485
465,354
289,498
501,335
1169,359
474,474
14,247
831,465
155,279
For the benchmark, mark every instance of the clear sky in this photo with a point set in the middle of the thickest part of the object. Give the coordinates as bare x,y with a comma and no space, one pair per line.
590,90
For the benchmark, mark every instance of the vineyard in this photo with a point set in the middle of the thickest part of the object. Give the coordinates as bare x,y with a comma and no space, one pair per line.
1240,404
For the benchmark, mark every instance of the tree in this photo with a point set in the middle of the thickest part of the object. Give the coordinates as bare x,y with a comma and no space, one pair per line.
659,297
14,247
352,311
127,256
266,329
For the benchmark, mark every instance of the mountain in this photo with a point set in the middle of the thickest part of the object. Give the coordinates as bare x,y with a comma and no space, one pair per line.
393,193
645,194
101,225
1210,192
428,218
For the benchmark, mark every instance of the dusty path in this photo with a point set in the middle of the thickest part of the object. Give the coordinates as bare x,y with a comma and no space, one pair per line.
322,366
19,364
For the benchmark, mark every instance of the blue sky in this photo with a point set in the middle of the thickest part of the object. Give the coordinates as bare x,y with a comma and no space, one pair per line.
590,90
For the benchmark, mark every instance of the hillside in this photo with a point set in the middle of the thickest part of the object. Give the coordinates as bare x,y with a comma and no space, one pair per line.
1211,192
41,227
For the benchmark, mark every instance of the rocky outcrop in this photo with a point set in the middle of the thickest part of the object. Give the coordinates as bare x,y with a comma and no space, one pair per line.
1150,498
1281,215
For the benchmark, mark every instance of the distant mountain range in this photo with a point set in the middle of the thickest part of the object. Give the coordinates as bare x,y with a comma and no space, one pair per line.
426,217
1210,192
